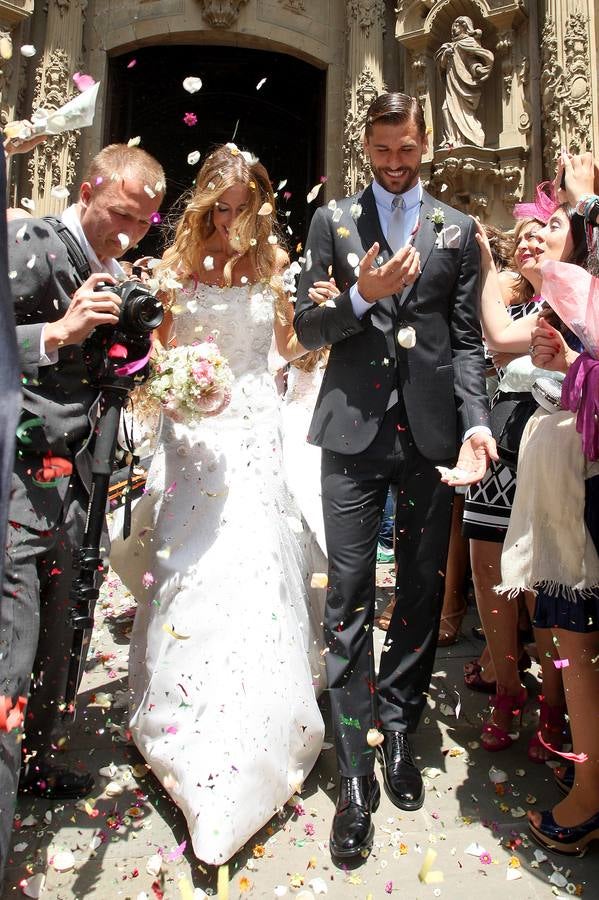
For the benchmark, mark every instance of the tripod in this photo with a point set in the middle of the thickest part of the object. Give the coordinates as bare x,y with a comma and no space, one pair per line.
85,588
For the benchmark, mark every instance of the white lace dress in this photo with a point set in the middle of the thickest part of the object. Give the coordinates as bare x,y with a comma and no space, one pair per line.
223,703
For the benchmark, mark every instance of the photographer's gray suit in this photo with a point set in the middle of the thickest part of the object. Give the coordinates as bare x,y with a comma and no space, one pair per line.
372,436
46,522
10,392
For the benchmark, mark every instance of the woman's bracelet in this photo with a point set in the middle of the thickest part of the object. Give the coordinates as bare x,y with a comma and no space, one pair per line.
588,207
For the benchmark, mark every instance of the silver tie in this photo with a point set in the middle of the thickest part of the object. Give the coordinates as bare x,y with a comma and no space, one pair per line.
395,232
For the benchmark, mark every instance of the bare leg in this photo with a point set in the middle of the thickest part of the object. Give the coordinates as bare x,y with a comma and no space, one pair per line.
553,690
499,616
454,603
581,682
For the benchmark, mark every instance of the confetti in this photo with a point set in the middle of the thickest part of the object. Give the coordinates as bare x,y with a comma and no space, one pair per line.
561,663
28,50
265,209
134,141
83,82
33,887
190,119
497,776
406,337
27,203
426,875
319,580
374,738
193,157
192,84
123,240
260,83
59,192
353,260
208,263
131,63
63,861
222,883
313,193
174,634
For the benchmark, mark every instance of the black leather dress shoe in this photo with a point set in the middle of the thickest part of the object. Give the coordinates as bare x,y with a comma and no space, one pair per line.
353,832
403,781
54,782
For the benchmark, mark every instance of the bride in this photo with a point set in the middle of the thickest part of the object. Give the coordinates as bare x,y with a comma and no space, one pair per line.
223,703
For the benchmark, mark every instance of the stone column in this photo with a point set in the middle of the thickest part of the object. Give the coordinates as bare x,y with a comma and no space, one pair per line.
568,92
366,25
53,163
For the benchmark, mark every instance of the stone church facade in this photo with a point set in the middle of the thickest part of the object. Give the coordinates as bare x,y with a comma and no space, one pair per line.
535,90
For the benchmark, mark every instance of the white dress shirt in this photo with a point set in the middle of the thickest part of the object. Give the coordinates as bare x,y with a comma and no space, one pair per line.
70,217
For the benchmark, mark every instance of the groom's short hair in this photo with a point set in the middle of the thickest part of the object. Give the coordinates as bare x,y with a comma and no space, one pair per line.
395,109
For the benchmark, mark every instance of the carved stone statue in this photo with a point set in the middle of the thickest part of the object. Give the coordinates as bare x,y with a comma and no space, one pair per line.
464,65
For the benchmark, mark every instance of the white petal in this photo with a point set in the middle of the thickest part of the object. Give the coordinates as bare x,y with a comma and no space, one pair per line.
59,192
192,84
193,157
313,194
28,50
353,260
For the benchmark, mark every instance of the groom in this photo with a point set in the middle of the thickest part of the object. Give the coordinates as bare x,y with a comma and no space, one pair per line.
403,389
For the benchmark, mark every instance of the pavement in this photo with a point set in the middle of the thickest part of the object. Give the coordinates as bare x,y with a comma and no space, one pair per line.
128,840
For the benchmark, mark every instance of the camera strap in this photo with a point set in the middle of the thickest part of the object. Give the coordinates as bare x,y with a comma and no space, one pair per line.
77,257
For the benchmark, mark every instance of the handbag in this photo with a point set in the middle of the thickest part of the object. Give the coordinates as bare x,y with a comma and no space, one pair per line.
509,416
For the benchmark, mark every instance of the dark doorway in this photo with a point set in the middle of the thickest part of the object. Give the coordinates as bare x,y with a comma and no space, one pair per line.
281,122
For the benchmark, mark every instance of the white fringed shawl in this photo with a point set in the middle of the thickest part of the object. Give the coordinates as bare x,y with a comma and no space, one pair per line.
547,545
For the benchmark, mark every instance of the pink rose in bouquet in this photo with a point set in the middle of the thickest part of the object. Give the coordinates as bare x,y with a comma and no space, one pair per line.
190,382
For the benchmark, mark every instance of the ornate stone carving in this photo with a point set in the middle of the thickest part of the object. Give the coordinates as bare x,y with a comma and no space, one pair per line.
578,67
419,69
355,161
505,48
464,65
297,6
52,90
221,13
523,76
367,13
474,182
552,94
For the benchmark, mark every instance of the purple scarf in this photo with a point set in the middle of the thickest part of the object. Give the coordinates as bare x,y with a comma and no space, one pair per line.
580,392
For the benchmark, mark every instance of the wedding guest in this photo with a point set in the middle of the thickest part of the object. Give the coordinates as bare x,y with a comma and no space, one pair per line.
561,236
57,304
223,703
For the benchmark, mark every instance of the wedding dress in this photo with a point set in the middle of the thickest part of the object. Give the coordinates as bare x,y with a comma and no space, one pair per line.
223,702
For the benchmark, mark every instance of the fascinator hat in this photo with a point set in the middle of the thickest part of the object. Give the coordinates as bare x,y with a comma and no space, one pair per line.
542,207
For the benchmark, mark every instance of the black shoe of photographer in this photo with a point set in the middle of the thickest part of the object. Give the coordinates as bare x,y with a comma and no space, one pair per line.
403,781
548,394
352,832
42,779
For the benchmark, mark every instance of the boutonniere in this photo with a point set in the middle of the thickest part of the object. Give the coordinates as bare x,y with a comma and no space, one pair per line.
437,216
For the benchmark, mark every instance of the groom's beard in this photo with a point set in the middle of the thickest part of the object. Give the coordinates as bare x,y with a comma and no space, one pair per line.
407,178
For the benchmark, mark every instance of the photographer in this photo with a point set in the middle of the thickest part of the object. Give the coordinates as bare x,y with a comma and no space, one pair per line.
54,275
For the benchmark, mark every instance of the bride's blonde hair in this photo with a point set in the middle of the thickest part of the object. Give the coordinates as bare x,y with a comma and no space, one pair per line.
225,167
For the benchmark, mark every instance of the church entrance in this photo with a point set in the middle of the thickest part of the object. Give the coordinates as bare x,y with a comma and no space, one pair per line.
269,103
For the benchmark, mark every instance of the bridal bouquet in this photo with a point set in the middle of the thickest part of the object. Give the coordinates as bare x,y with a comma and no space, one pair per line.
190,382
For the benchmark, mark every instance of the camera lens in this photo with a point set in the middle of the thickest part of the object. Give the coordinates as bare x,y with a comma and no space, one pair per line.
141,312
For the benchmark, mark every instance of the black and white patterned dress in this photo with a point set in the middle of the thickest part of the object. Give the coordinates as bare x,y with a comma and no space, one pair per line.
489,503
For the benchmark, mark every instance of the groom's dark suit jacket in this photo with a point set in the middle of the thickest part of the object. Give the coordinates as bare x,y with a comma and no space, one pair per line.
441,379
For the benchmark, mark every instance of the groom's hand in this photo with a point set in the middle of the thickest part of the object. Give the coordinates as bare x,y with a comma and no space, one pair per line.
475,455
376,282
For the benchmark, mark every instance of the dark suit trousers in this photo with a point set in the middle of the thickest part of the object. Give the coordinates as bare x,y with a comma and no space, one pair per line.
354,489
35,637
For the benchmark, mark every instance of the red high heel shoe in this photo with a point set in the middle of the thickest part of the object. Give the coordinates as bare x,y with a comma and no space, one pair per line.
506,703
554,729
